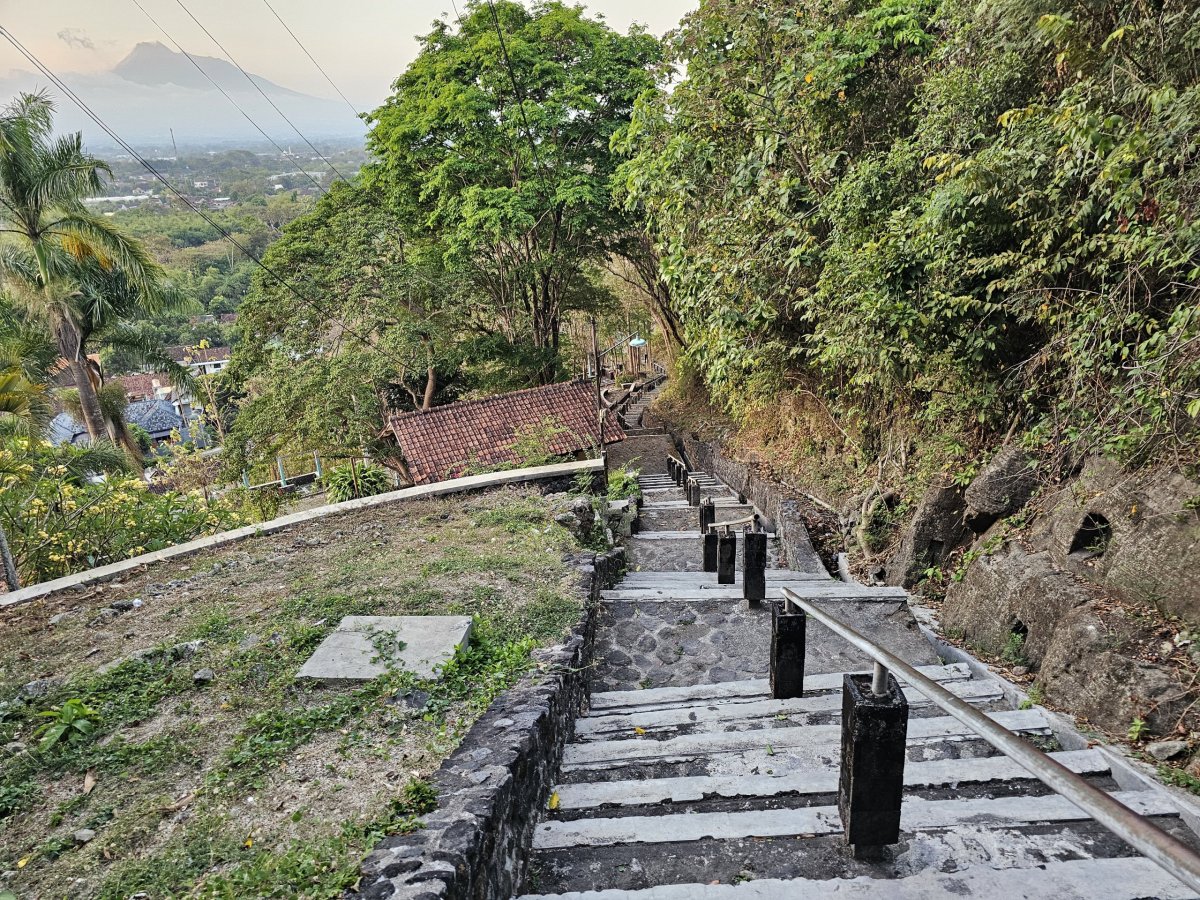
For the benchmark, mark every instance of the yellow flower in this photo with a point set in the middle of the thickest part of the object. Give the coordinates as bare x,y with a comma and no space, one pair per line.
808,79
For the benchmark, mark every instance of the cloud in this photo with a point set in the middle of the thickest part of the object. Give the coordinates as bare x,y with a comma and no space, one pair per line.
76,38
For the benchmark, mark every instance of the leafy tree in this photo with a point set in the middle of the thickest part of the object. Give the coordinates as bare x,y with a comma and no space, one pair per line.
43,181
379,325
495,144
933,217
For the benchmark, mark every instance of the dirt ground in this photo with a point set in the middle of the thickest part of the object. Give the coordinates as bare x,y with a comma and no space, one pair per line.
211,771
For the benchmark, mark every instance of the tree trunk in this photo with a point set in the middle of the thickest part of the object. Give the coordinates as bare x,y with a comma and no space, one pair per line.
430,388
89,403
10,566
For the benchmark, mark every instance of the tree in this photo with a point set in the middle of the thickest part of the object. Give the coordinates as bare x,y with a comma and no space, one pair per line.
43,181
377,324
496,144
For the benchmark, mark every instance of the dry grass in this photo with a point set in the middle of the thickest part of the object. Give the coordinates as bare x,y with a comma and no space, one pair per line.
254,780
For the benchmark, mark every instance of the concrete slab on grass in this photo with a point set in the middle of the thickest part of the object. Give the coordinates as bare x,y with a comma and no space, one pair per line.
362,647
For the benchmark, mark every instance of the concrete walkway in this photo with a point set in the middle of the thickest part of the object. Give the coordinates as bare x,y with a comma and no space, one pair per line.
687,781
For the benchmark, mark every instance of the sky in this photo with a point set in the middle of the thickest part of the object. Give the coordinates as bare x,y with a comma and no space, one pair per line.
362,44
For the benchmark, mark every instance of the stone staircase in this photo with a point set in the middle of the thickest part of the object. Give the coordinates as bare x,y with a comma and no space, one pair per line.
687,781
631,418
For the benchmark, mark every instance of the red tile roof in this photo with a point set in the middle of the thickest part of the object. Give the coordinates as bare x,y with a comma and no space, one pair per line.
445,441
141,387
198,354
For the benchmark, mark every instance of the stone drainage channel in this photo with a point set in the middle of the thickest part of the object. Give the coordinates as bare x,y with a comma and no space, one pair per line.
686,780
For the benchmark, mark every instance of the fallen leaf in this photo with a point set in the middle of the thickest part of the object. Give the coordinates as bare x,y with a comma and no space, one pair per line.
637,730
553,802
89,781
249,842
22,863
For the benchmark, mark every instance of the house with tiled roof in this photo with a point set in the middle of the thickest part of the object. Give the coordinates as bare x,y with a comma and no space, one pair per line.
447,441
145,386
201,360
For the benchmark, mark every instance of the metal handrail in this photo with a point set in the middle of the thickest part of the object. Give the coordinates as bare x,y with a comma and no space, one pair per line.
751,519
1171,854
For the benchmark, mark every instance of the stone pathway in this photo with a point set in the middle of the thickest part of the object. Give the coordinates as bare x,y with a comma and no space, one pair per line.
687,781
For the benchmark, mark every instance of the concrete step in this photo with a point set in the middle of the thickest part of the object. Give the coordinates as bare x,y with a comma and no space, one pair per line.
807,590
780,748
679,535
719,715
707,580
916,815
1086,879
939,773
749,690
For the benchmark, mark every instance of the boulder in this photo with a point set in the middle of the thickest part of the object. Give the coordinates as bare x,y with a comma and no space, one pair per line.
938,527
1135,533
1011,591
1001,488
1086,670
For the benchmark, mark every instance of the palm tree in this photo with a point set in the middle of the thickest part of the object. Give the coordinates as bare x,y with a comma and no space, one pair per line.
43,182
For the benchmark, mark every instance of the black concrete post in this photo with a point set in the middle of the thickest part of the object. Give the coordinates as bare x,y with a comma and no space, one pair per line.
754,566
671,467
708,514
680,474
710,551
726,557
874,730
693,492
788,630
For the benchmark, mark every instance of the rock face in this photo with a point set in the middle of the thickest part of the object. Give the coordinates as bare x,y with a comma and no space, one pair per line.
1012,592
1136,534
938,527
1003,486
1129,535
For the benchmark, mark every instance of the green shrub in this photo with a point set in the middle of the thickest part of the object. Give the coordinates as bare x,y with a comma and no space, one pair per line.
351,481
623,485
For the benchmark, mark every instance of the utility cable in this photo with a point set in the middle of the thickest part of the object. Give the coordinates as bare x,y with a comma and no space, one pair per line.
225,93
310,57
120,141
520,95
258,88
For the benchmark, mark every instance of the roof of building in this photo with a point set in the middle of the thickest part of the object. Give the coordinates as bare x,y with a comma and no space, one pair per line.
142,386
158,417
198,354
443,442
65,429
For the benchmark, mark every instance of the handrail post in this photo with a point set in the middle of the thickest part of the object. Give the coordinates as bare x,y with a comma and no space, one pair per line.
708,514
680,473
693,491
754,566
726,556
871,782
709,557
789,627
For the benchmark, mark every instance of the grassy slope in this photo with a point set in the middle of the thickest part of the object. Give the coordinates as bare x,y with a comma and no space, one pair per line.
254,785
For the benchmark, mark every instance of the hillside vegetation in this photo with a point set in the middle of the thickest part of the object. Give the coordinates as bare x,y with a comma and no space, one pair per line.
948,222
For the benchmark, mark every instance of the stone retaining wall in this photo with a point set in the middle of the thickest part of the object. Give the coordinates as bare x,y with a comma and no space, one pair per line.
770,497
493,787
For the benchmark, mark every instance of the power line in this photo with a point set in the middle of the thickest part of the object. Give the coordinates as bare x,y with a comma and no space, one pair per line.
95,117
215,84
310,57
258,88
520,97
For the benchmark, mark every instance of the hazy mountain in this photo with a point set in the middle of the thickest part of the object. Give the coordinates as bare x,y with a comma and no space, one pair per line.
154,65
154,90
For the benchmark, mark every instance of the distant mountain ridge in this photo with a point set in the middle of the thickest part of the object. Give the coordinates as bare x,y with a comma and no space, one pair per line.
153,64
155,91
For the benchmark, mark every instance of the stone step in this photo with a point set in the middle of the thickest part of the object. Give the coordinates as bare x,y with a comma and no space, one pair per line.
679,535
807,590
1121,878
752,689
720,714
790,747
939,773
708,580
916,815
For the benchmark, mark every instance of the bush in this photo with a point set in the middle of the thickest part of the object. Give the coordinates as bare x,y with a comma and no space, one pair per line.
623,485
59,521
349,482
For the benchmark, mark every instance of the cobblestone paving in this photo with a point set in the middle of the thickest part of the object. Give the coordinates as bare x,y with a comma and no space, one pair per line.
652,645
